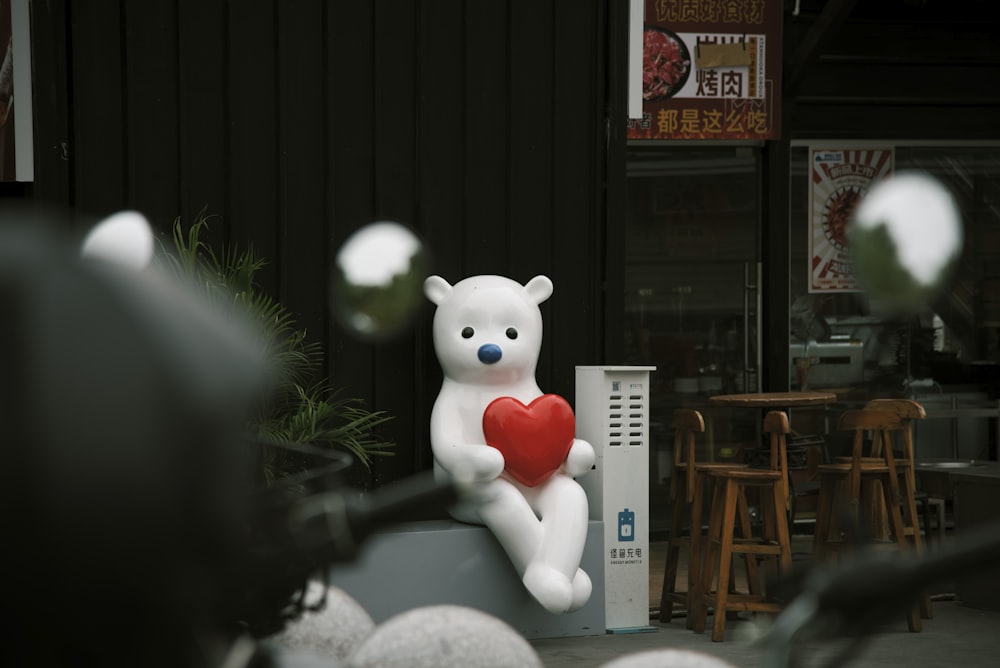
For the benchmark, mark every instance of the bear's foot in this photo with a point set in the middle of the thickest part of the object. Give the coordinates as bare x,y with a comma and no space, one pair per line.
582,589
551,589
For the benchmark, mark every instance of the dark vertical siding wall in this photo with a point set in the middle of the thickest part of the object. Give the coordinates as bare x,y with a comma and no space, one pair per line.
479,124
899,70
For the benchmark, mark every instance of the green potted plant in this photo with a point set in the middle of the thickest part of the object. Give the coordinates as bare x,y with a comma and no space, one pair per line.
302,409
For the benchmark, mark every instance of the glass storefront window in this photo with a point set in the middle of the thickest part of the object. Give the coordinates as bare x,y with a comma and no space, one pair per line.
946,352
692,264
691,276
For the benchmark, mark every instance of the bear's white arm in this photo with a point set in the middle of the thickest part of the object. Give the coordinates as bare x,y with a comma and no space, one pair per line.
580,459
469,462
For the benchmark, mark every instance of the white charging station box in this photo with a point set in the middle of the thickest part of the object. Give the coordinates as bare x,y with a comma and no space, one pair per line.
612,414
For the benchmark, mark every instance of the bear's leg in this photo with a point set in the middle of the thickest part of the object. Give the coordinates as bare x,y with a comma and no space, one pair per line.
549,587
508,515
562,505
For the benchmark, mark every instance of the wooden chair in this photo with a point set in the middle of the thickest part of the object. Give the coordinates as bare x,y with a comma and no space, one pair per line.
846,512
774,540
908,411
687,498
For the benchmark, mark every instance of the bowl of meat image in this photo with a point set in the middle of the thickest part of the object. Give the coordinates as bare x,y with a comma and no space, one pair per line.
666,63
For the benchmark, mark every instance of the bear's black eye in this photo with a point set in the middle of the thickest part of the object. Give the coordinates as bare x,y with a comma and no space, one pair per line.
468,332
511,333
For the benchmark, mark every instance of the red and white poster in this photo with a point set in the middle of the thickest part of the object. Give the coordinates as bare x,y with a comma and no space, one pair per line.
840,179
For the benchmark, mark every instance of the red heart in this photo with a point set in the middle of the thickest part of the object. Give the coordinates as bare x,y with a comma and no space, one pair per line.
534,439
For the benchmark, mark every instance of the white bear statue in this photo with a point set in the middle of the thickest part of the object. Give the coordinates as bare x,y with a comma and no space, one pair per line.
492,426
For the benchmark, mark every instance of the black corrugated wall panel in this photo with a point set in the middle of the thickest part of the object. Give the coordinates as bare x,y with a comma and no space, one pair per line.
481,125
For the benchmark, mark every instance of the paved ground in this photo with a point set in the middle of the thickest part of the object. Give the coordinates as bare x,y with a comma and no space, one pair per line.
956,636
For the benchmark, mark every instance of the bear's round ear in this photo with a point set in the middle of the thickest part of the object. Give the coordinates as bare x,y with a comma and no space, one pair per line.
436,289
539,289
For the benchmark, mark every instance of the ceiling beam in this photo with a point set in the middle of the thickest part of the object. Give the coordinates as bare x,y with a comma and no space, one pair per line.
806,53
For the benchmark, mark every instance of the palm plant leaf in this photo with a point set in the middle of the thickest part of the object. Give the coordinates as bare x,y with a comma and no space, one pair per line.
301,409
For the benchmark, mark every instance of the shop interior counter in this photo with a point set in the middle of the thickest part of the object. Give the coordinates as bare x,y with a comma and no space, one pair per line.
976,489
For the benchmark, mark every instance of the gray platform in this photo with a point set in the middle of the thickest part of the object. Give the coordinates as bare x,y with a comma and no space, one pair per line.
445,562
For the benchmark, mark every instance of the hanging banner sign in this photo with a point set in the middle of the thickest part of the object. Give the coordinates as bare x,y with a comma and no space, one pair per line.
710,70
840,179
17,162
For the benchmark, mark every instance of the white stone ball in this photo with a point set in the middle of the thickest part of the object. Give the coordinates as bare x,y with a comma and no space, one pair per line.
334,632
444,636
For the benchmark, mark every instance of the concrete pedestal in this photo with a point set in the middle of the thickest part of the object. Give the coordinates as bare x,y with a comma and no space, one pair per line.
446,562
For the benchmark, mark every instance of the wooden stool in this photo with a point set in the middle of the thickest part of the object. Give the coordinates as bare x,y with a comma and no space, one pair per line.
849,485
908,411
686,496
729,504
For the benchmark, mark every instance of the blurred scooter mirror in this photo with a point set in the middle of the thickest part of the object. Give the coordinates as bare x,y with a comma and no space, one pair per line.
906,239
124,239
377,279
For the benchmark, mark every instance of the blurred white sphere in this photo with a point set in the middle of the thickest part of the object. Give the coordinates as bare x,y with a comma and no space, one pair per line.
906,237
377,280
668,658
124,238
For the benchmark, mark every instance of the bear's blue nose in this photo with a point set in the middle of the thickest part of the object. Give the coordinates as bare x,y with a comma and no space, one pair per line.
490,353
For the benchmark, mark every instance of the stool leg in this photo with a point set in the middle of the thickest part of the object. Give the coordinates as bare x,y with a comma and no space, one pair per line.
768,533
725,560
746,529
783,531
925,512
909,494
942,529
776,530
696,550
711,555
824,511
898,532
854,497
673,554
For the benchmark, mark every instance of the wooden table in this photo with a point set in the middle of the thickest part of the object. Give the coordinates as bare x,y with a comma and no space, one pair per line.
766,401
773,400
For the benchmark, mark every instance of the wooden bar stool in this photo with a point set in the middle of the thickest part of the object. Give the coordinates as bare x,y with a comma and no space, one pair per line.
907,410
686,496
849,487
774,542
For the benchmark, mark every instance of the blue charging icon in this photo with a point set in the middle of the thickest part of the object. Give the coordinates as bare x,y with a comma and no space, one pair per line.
626,525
